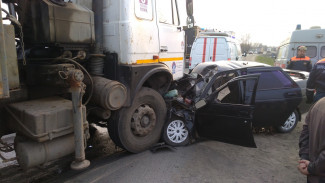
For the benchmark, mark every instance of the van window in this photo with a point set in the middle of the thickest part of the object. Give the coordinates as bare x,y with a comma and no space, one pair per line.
322,52
143,9
283,52
238,49
167,12
311,51
233,51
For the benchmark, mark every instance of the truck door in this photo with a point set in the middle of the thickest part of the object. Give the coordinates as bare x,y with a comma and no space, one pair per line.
171,36
227,115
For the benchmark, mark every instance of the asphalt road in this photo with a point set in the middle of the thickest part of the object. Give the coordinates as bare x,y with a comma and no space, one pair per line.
274,160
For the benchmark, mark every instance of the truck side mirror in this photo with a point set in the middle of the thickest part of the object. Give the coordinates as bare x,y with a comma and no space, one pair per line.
189,8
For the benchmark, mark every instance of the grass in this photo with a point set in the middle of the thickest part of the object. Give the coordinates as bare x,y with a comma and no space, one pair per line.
264,59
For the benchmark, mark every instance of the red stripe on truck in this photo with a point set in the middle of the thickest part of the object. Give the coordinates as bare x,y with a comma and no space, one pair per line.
214,49
204,49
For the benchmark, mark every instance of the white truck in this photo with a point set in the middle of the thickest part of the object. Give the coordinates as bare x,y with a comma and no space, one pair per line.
313,39
65,64
214,46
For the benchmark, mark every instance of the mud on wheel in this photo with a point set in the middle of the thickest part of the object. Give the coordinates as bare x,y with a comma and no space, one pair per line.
139,126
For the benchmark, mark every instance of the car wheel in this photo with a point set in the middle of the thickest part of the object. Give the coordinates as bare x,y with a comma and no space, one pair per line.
138,127
175,132
290,124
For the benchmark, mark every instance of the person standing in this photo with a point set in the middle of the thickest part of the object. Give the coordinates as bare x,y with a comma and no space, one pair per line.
312,144
300,62
316,81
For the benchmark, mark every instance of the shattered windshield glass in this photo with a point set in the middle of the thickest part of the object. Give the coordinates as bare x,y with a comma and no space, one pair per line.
203,81
216,80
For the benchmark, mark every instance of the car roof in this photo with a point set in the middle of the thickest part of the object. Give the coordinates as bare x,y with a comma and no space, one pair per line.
225,65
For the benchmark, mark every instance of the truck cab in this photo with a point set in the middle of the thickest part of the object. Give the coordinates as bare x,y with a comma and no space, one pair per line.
143,35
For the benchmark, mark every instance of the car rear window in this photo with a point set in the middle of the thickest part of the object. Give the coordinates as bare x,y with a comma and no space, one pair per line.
273,80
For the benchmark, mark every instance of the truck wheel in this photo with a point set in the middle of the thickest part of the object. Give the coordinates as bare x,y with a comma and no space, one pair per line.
112,129
139,126
290,124
175,132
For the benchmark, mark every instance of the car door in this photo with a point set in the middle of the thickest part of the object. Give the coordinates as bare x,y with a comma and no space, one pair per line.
227,114
277,96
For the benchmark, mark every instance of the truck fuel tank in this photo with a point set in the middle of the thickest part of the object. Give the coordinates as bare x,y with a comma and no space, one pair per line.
46,22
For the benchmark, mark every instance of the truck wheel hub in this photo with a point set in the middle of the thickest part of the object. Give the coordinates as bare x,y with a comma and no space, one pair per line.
143,121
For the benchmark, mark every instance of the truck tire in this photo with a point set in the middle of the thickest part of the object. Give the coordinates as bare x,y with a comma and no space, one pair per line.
139,126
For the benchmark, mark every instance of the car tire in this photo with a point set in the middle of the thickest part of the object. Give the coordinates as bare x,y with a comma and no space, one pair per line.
175,132
290,123
138,127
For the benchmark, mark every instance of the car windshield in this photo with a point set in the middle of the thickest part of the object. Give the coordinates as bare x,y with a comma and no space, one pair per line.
204,78
211,81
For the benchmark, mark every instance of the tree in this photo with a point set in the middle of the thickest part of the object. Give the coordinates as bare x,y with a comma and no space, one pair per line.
245,44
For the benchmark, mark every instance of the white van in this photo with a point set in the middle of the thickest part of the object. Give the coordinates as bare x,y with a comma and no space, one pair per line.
214,46
313,39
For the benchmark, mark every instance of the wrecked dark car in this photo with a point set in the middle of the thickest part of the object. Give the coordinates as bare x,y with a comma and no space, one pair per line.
223,100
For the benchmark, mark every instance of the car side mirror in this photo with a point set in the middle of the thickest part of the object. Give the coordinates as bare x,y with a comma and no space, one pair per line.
200,104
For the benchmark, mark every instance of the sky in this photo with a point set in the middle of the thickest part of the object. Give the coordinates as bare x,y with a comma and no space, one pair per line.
266,21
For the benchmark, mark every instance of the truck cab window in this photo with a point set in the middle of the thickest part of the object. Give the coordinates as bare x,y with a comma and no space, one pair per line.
167,12
175,13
